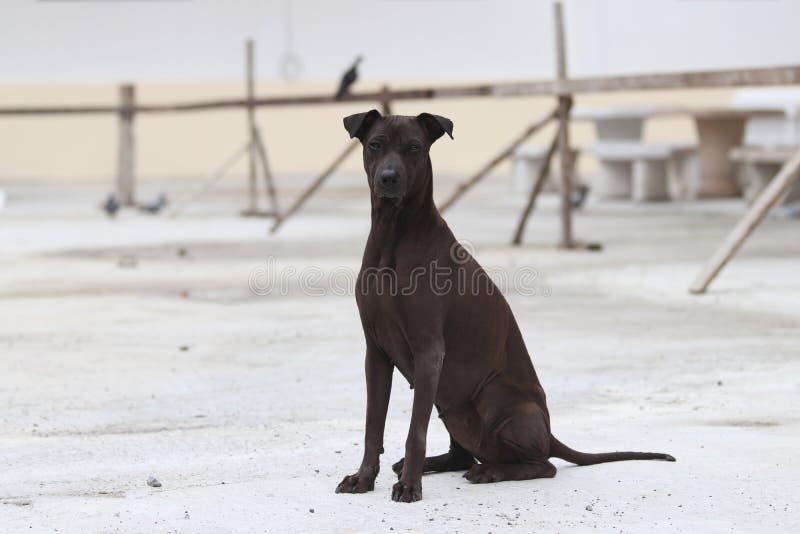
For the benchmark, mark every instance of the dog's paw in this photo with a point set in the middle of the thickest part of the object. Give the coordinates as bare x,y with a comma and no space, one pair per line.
356,484
482,474
407,492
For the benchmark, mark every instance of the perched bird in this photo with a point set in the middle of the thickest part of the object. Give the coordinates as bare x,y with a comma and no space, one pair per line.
348,79
111,205
156,205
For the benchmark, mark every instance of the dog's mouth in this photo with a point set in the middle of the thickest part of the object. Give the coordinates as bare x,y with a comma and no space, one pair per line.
393,199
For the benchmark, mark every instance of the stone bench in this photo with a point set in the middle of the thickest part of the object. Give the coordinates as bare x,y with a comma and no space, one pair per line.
526,162
758,165
643,172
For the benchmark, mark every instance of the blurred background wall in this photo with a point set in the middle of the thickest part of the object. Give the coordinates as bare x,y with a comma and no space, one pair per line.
71,51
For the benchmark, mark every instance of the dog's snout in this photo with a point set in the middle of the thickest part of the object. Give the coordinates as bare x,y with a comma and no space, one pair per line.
389,182
388,178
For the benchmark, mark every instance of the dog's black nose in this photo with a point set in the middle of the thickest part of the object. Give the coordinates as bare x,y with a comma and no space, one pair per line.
388,178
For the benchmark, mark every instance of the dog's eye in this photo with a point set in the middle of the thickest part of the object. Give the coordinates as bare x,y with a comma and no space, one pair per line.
413,148
374,145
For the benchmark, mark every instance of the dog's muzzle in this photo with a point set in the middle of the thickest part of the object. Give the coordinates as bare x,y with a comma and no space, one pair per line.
388,183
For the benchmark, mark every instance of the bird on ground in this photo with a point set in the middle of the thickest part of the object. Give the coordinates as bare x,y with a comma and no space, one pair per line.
579,194
348,79
156,205
111,205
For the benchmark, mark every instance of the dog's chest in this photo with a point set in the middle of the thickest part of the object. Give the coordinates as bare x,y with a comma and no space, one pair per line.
381,303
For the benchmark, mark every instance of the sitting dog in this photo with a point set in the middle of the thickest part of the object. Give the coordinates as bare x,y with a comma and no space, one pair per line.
459,348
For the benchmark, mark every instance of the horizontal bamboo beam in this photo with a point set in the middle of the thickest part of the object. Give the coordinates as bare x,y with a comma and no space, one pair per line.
785,75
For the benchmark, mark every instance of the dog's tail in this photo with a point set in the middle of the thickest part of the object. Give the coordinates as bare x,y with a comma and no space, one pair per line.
559,450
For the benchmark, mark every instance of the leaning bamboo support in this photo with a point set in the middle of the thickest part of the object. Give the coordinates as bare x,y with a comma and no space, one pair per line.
541,178
269,181
462,188
209,182
786,177
316,184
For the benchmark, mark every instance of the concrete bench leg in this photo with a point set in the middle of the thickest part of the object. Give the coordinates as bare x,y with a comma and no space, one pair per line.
753,178
793,195
613,180
649,180
683,175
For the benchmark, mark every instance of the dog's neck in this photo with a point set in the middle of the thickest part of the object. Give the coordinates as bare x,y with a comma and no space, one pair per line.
394,223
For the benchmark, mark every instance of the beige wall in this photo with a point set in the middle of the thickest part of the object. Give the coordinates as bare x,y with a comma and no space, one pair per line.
300,139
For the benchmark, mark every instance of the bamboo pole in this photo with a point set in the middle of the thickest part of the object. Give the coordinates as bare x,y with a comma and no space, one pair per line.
126,180
565,157
786,177
544,170
316,184
564,106
252,191
465,186
386,101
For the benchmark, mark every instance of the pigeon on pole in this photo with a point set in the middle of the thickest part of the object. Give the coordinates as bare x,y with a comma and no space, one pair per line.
348,79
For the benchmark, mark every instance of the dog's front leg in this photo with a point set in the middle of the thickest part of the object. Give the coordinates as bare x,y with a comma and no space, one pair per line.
379,386
427,368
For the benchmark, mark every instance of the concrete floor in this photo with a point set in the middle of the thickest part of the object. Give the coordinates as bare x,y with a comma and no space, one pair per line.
135,347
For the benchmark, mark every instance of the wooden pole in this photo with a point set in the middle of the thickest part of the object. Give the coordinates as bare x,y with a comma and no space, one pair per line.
788,175
386,102
783,75
564,106
316,184
544,170
126,180
465,186
251,125
565,159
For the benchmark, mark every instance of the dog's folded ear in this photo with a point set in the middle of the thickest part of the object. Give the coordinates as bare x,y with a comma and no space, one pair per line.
359,124
436,125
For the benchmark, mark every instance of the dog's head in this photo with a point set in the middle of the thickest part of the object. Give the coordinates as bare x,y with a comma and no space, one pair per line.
396,149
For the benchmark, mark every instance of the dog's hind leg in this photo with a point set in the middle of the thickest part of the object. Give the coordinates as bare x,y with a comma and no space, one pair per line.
456,459
518,448
486,473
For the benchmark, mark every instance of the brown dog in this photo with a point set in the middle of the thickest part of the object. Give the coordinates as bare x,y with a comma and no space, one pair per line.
430,310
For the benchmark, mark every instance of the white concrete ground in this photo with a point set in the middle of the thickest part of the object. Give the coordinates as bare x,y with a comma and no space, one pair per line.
123,357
